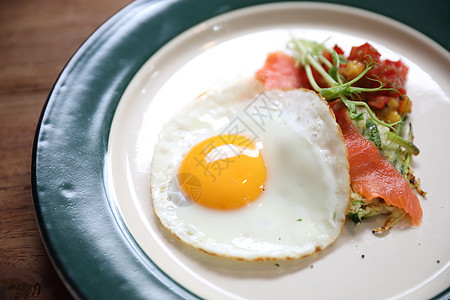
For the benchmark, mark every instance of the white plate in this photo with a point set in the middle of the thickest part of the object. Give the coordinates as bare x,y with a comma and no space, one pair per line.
405,263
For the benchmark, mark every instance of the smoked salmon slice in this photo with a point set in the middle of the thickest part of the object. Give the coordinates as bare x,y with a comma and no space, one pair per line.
372,175
280,72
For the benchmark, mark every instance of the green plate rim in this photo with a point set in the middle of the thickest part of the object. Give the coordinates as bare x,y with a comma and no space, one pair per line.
82,230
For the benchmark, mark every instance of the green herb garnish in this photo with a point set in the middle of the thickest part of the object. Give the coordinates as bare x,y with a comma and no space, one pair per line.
372,133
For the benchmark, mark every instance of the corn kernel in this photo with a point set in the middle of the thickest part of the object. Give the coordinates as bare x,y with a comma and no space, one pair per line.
353,69
393,103
392,116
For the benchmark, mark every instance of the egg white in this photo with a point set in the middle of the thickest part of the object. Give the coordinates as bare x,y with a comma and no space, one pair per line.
302,209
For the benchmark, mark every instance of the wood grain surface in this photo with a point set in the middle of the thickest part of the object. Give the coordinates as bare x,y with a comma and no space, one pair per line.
37,38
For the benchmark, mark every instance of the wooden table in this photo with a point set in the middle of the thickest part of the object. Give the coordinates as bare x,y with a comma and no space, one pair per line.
37,38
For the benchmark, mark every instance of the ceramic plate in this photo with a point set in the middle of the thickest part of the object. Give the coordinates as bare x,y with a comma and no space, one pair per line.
95,142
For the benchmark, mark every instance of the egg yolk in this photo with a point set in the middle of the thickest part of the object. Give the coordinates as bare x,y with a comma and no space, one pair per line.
223,172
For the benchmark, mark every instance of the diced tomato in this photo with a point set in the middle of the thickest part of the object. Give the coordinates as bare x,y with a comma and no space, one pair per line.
338,50
379,102
392,74
365,52
328,55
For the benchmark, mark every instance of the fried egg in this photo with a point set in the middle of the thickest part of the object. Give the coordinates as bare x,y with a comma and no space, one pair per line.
251,174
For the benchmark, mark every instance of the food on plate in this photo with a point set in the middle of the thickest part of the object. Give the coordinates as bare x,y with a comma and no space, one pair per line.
373,176
252,174
368,97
